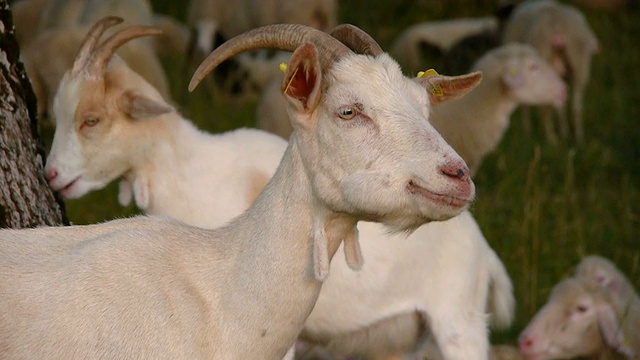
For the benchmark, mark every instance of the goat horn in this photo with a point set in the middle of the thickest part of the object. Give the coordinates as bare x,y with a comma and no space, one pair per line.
106,50
286,37
90,41
356,39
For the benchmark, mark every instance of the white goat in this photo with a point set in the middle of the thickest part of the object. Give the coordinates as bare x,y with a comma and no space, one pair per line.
582,318
170,167
563,37
441,35
513,74
204,198
154,287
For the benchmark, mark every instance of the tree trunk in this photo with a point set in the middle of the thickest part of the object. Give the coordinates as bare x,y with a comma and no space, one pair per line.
26,200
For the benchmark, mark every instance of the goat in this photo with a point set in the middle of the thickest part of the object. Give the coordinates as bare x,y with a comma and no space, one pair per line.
150,287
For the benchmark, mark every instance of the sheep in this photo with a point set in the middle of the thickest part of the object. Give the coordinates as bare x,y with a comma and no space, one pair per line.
433,286
514,74
605,273
214,21
582,319
563,37
152,287
422,42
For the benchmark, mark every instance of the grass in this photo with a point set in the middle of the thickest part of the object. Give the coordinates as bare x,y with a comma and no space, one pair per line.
541,207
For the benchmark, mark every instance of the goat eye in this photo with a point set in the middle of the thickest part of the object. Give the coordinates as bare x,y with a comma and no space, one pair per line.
91,121
347,113
582,308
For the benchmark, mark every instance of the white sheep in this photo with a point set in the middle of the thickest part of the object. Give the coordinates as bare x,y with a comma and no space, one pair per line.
604,272
563,37
582,319
474,124
151,287
513,74
435,36
439,285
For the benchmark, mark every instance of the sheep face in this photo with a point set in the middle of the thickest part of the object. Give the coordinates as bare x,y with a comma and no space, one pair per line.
573,323
525,75
95,134
368,142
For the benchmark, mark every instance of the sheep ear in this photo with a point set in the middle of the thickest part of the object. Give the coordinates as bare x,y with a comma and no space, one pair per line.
301,84
138,106
612,332
443,88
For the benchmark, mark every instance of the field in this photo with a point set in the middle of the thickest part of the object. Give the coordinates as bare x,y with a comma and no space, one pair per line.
541,207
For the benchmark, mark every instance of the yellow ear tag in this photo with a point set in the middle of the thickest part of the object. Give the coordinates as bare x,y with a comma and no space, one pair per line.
435,89
283,66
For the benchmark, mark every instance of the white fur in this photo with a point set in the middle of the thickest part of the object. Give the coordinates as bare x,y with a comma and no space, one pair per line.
514,74
154,287
563,37
586,317
445,270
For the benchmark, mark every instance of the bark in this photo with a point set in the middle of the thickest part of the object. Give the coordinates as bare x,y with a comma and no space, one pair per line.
26,200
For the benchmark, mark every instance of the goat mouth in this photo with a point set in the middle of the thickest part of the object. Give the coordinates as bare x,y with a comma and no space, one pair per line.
66,188
446,200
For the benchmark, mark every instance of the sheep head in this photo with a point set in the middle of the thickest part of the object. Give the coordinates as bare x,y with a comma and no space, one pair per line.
524,75
362,129
96,105
578,320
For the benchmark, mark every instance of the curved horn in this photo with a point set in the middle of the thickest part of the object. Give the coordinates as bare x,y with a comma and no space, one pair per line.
356,39
279,36
105,51
90,41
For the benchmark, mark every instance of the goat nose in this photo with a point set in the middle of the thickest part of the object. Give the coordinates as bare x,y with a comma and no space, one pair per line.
455,170
51,174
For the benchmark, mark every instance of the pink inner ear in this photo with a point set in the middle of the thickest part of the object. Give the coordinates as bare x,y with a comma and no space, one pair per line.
301,84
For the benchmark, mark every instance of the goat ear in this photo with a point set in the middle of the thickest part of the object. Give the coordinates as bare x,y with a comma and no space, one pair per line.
138,106
301,84
612,331
443,88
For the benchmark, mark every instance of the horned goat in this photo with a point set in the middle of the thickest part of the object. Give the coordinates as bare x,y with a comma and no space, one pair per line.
563,37
200,191
585,318
151,287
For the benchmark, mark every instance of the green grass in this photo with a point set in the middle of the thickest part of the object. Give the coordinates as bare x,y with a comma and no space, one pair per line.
541,207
